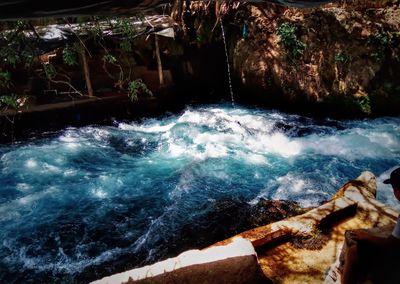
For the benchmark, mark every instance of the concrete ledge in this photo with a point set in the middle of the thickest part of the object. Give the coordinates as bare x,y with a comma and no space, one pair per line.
233,263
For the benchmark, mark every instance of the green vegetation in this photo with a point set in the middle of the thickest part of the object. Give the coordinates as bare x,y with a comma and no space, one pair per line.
110,59
137,87
10,101
5,79
288,36
343,58
50,71
363,104
70,55
127,33
20,54
382,41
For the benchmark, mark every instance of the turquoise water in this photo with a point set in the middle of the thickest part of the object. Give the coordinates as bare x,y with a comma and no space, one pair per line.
86,202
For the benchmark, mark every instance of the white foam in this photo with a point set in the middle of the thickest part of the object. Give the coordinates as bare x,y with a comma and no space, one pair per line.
146,128
276,143
292,187
251,158
67,138
29,199
212,151
31,163
62,264
99,193
51,168
70,172
176,150
9,211
291,183
24,187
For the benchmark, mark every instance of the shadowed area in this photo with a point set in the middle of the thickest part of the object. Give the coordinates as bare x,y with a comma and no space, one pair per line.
45,8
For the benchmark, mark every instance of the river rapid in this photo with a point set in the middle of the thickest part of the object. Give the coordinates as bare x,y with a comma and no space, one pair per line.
86,202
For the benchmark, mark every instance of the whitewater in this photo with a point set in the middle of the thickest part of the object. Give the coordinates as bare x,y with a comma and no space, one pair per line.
86,202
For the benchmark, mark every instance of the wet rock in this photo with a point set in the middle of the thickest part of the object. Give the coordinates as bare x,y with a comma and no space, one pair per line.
230,217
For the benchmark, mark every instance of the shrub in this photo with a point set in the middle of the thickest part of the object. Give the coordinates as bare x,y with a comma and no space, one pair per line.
343,58
70,55
5,79
137,87
10,101
287,33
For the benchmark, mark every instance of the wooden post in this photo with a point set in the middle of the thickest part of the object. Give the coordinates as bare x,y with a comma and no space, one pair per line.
86,70
159,64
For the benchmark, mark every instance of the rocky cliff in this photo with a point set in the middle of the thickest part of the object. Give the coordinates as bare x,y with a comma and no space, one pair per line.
336,59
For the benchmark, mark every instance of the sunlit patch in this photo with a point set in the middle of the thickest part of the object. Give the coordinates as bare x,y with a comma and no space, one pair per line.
31,163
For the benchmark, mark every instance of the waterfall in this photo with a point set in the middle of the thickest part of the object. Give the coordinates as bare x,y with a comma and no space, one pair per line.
227,63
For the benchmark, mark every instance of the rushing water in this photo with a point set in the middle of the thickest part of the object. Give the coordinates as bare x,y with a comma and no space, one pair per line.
90,201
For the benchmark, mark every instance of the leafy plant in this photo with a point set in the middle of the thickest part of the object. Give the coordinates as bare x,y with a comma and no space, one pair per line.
9,56
288,36
382,41
124,27
10,101
137,87
125,45
363,104
50,71
5,79
70,55
343,58
110,59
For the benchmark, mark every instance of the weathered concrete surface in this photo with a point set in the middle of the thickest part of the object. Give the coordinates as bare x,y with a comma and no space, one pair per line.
303,265
233,263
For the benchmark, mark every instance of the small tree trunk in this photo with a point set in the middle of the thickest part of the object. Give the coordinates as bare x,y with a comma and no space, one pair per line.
159,64
86,71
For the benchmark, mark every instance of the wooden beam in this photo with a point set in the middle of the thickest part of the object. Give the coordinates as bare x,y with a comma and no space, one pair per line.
159,63
86,70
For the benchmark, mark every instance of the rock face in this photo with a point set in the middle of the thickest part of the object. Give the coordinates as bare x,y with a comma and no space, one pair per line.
343,59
